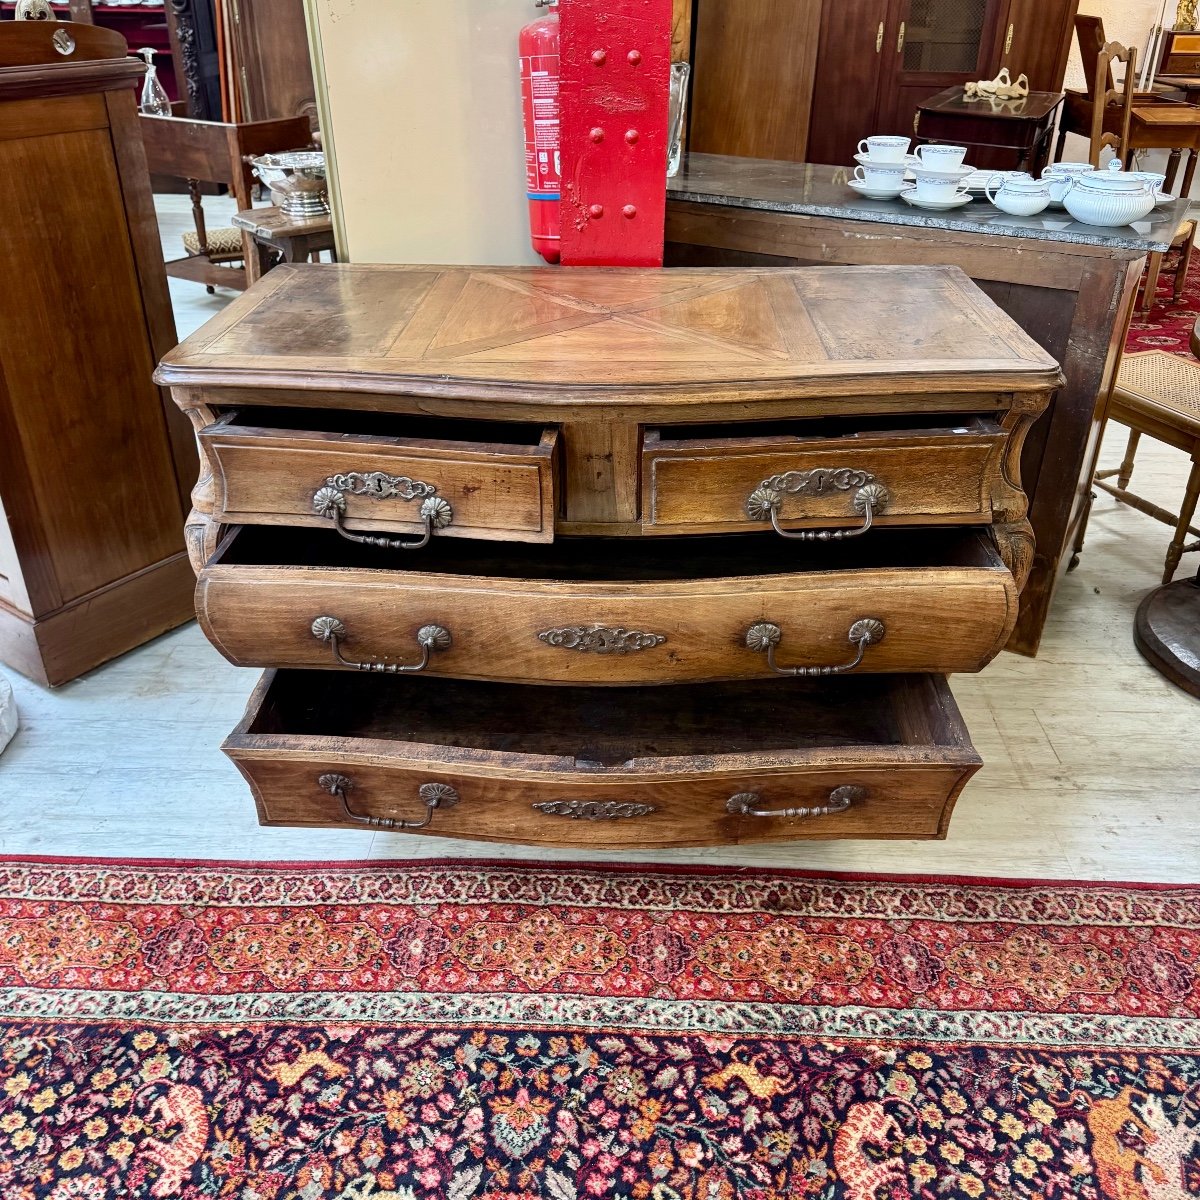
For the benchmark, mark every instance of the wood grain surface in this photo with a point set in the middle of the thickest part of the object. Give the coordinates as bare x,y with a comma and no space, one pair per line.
594,336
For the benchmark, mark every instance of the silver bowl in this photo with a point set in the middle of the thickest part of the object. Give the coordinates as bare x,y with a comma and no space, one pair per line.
298,176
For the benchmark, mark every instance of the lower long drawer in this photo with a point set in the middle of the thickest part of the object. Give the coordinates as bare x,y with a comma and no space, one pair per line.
607,768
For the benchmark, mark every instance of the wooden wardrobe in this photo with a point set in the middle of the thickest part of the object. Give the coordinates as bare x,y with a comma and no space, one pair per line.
95,466
804,80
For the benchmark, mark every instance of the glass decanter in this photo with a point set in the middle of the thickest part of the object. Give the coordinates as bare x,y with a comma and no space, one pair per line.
154,101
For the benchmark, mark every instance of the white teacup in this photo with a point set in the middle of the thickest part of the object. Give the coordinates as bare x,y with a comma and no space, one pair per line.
939,186
881,176
885,148
941,158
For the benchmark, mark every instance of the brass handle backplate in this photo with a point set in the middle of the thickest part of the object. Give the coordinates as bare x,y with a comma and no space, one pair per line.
840,799
765,636
900,39
432,795
879,39
594,810
870,498
429,638
329,500
1008,40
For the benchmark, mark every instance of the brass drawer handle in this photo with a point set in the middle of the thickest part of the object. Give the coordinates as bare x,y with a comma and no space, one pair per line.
329,500
870,497
766,636
594,810
433,796
840,799
429,638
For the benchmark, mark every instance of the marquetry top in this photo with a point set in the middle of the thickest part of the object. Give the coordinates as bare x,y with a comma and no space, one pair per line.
584,337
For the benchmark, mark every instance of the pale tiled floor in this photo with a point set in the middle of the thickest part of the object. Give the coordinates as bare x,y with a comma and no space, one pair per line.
1091,757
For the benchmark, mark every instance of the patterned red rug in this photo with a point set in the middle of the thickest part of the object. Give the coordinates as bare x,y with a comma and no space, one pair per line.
519,1032
1168,325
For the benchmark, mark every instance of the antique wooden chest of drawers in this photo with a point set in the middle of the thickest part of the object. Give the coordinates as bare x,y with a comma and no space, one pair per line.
609,558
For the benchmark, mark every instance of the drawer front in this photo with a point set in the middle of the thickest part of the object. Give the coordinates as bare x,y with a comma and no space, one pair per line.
1182,64
901,800
729,763
942,476
942,619
380,485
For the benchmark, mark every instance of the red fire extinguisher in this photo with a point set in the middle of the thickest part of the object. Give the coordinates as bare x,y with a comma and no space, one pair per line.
539,98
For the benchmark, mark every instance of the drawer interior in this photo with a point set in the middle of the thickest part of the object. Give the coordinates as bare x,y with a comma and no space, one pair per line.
607,727
826,427
630,560
428,431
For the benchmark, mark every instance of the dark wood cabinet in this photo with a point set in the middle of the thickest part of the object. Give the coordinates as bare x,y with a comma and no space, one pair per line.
757,60
806,81
275,75
94,467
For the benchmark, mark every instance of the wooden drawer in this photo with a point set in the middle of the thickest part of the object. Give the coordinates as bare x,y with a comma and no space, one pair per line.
375,473
607,768
706,481
593,611
1182,64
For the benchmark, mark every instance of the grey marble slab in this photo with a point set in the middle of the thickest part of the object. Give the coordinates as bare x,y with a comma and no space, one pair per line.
809,189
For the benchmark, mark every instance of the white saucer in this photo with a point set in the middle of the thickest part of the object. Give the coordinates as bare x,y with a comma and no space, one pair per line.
873,193
1163,198
909,196
909,160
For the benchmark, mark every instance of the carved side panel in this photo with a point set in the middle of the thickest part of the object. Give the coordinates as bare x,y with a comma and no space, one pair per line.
1010,505
201,535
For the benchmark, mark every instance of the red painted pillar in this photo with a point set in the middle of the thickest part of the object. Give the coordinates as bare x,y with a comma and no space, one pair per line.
614,95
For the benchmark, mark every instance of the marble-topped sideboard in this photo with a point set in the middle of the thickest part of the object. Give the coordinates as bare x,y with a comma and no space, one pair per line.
1070,286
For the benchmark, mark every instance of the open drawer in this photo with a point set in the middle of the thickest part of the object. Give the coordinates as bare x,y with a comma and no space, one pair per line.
811,475
372,474
877,757
600,611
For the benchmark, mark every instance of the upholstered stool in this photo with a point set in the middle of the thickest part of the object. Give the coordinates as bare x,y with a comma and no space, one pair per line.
1158,394
223,243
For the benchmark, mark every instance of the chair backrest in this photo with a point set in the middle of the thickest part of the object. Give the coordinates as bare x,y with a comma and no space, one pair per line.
1105,105
1089,31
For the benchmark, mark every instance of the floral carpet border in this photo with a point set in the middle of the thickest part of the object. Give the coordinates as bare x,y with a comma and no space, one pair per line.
794,893
1058,1031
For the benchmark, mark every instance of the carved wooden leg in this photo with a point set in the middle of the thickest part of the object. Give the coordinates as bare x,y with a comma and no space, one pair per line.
1015,542
1172,170
1190,499
1189,176
1083,525
1125,473
1185,265
1150,287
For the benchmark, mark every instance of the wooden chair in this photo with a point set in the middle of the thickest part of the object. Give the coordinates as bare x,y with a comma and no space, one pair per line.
1158,395
1109,142
217,152
1139,120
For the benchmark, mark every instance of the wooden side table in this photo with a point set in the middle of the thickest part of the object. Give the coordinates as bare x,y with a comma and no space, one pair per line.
295,240
1001,135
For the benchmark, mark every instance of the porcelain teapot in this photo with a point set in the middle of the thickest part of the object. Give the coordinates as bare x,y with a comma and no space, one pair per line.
1109,198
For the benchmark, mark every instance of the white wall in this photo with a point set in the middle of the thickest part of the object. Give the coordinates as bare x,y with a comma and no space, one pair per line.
423,119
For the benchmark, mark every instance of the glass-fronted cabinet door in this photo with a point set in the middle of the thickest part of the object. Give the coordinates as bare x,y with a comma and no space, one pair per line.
936,44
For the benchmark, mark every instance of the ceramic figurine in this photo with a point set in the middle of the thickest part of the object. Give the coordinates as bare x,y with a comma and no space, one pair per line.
1002,87
34,10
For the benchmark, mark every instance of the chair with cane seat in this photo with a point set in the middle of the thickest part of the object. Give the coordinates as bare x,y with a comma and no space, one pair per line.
1158,395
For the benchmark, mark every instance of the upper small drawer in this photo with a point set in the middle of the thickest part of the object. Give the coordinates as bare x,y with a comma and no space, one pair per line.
374,474
706,481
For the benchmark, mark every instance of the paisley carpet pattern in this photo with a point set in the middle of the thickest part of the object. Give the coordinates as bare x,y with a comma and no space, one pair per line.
1168,324
521,1032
